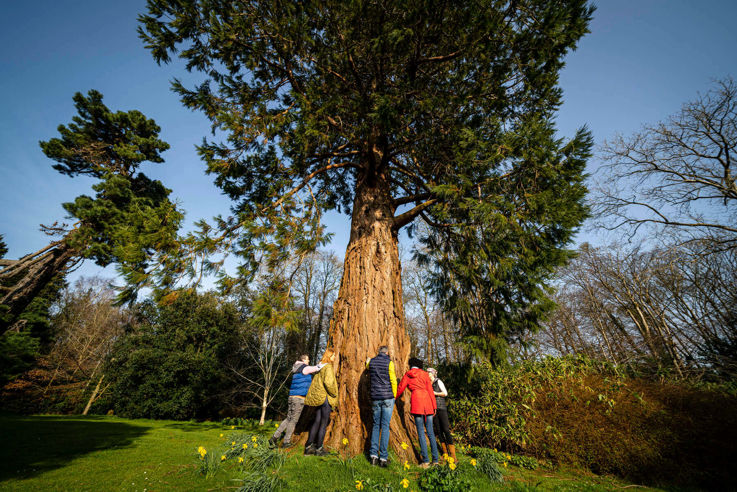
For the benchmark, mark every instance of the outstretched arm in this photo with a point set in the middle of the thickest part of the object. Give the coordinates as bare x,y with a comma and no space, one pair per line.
402,385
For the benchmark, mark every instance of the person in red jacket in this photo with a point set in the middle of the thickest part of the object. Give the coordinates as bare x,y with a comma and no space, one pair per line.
422,407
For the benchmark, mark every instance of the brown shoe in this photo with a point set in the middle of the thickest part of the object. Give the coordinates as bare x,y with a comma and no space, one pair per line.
452,452
425,466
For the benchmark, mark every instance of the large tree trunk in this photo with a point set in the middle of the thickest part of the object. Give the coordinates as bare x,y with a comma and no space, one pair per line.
27,276
367,314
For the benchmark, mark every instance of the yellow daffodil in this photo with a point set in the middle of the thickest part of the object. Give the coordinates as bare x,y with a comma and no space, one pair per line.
404,483
240,459
255,445
202,451
222,458
505,464
450,459
221,435
232,443
245,446
406,465
359,485
452,466
232,427
445,456
473,461
276,425
404,446
254,438
345,442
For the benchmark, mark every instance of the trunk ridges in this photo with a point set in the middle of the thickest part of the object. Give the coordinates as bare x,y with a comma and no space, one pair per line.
369,313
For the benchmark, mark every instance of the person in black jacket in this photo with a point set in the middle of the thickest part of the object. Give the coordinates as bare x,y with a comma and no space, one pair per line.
383,379
441,417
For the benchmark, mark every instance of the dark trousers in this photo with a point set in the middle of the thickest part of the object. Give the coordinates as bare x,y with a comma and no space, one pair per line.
443,426
319,425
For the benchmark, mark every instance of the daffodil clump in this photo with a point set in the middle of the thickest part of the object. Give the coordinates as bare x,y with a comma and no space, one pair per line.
208,462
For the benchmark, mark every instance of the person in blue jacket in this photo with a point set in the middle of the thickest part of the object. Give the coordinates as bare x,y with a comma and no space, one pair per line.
301,379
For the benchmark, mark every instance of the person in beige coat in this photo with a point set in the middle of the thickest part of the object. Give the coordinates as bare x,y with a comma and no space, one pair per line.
323,393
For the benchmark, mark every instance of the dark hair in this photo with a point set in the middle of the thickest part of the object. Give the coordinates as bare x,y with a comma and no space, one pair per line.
415,362
304,357
383,349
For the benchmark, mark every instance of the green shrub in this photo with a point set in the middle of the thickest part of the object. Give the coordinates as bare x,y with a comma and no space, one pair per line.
172,366
444,479
498,457
577,411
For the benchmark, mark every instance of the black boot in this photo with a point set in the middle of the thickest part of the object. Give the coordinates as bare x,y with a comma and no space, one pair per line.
309,449
272,442
374,460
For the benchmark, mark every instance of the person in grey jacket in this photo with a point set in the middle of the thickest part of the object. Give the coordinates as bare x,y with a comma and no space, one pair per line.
301,379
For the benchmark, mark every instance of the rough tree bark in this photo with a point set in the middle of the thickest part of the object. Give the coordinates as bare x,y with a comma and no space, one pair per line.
28,275
367,314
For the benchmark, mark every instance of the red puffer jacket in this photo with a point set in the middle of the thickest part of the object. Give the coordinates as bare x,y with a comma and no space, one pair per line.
423,397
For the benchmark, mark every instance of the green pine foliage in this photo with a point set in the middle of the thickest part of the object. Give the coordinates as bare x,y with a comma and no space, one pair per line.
440,112
130,218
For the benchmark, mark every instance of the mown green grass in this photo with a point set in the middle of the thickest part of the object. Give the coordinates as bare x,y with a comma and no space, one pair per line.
110,453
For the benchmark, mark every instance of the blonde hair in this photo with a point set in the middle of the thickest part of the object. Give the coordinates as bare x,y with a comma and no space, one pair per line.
327,355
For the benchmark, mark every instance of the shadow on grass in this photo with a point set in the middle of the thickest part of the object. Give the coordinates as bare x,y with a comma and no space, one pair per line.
192,426
36,444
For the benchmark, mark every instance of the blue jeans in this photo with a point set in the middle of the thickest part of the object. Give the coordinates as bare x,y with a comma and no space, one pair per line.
422,422
382,417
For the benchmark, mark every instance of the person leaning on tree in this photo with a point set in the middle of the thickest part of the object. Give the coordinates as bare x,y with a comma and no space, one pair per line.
301,379
441,415
383,381
323,393
422,407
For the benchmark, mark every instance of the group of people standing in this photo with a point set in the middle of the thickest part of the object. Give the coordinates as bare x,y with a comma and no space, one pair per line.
316,386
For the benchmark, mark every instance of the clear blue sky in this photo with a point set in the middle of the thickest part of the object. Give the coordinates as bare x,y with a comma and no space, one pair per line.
642,60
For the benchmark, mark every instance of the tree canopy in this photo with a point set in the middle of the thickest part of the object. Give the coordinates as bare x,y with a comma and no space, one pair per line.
443,110
129,219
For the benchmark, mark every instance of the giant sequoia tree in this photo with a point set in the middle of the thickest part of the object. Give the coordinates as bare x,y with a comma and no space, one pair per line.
391,112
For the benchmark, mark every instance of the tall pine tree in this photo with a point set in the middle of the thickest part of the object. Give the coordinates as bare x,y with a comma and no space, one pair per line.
128,220
392,112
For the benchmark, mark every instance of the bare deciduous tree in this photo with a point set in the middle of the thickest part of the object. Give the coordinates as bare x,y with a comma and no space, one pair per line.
679,174
87,325
671,308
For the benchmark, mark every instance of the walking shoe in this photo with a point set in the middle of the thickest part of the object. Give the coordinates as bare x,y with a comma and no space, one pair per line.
309,449
272,442
374,460
435,463
321,452
384,463
287,445
425,465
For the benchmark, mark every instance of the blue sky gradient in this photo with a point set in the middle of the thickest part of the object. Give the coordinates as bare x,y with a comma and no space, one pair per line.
641,62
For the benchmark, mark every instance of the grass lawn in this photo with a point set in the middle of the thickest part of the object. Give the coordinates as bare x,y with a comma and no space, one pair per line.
51,452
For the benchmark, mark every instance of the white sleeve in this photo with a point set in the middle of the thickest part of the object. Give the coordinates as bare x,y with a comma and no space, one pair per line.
442,389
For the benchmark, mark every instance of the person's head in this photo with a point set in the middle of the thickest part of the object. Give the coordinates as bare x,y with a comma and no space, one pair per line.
384,350
433,373
415,362
328,356
305,358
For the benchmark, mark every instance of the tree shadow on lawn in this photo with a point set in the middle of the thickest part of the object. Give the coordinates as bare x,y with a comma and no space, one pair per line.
33,445
195,426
